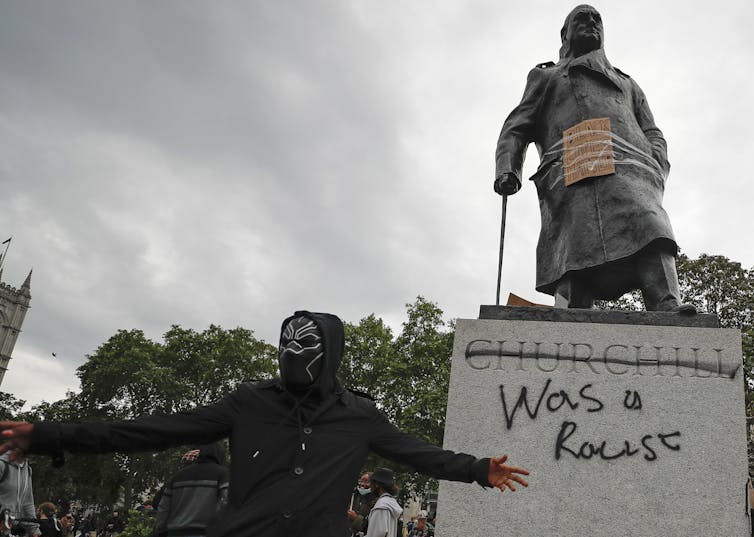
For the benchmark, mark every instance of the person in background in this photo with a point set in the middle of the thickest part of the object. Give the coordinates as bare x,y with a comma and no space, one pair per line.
87,526
194,495
362,501
383,518
16,495
115,524
49,526
410,525
422,527
46,514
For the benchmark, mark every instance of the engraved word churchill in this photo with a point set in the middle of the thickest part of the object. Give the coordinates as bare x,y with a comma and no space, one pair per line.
612,359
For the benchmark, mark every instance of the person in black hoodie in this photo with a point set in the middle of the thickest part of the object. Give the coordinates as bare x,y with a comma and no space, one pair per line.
297,442
192,497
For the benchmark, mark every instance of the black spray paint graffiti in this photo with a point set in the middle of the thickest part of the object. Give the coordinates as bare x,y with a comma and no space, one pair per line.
632,401
587,449
553,402
585,399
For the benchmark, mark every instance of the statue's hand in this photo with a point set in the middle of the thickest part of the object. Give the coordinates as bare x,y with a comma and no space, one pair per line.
507,184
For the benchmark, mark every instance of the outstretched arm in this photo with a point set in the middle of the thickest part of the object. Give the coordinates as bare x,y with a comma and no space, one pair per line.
200,425
390,442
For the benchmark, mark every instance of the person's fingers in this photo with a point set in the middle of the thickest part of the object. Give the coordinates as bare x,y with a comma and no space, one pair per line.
499,460
514,469
12,429
520,480
503,484
499,485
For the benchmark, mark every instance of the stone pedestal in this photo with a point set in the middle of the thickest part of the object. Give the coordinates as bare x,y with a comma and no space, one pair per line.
628,429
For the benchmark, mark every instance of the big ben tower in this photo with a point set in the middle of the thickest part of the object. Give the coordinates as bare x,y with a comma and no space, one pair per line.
13,306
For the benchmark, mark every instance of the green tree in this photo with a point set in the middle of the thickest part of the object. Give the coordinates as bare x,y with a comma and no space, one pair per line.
211,363
369,350
10,406
140,524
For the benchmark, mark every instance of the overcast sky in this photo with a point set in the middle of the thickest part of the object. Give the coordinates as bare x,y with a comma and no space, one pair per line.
229,162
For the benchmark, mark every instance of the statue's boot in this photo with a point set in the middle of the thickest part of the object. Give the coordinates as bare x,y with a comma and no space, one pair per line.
658,279
574,291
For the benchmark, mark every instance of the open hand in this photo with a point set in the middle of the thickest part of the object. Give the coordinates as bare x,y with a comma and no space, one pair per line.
503,476
15,438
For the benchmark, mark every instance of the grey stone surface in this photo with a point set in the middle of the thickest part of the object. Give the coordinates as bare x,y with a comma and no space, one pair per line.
657,318
643,434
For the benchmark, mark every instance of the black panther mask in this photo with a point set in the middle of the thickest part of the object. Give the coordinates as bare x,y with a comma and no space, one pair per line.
300,354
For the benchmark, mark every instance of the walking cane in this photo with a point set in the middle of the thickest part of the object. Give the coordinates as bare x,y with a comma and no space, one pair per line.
502,241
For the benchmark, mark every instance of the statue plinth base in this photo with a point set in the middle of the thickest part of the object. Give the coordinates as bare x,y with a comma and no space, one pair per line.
629,429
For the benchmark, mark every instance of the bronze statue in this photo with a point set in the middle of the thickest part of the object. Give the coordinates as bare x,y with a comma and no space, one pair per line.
601,177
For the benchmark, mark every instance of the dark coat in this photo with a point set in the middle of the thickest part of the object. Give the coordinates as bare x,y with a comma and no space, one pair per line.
193,495
601,219
362,505
294,457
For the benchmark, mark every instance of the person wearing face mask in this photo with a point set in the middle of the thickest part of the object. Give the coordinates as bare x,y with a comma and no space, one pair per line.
297,441
362,501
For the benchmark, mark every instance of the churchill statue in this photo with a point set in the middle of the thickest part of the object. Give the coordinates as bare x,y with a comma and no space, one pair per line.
601,176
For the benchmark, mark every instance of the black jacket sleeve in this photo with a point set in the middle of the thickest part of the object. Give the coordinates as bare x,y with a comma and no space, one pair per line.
146,433
390,442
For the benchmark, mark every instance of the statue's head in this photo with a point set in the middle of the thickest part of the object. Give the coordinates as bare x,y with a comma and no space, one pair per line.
582,32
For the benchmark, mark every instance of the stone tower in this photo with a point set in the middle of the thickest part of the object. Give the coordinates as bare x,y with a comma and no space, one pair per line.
13,306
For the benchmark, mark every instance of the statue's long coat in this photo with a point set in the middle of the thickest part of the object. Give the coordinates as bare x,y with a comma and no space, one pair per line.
597,220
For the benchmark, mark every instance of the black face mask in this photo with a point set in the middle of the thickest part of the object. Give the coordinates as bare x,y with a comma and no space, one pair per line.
301,353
